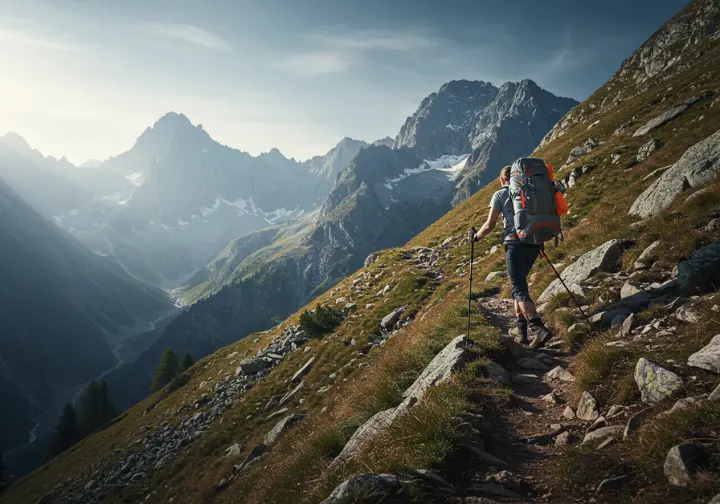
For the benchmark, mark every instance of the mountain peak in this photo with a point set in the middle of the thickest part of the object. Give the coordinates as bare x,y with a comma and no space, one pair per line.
15,142
173,120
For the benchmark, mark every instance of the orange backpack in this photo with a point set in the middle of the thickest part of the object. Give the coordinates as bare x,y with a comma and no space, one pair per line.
561,206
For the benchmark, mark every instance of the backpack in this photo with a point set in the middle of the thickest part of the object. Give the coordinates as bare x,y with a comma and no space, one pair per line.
533,195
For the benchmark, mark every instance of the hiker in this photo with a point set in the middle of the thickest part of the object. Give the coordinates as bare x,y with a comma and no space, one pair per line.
519,258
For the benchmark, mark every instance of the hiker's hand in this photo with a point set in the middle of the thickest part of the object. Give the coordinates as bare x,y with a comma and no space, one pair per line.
471,235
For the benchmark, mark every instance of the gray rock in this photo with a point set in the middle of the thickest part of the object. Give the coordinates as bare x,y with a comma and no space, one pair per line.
702,271
558,373
602,259
365,489
371,259
291,394
681,464
655,382
687,314
698,165
251,366
630,323
715,500
580,150
713,225
708,357
569,413
630,288
566,438
587,407
613,431
451,359
647,149
280,427
698,195
663,118
305,369
615,316
389,320
497,372
715,394
578,329
532,364
233,451
495,274
684,403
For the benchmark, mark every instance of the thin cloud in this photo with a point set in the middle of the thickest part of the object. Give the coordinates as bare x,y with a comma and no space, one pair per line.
23,38
317,63
377,41
187,33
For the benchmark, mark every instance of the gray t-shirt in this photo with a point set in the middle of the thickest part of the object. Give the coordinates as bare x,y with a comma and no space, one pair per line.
501,201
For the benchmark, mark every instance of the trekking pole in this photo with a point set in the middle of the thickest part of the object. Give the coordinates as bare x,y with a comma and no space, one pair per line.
542,252
472,259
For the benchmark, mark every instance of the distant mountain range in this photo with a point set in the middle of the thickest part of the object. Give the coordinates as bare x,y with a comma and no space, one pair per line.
63,312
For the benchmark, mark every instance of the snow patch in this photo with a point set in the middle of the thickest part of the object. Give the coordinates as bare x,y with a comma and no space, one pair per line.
451,165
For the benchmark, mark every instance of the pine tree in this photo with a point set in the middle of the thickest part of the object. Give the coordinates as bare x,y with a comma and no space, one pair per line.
107,409
166,370
186,363
66,430
89,414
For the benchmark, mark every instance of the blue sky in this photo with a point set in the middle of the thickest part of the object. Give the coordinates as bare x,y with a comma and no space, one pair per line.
84,78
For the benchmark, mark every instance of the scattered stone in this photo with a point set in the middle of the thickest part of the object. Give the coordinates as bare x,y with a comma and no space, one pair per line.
605,432
365,489
558,373
684,403
389,320
569,413
605,443
681,464
283,425
587,407
687,314
234,451
565,439
630,323
702,271
305,369
713,225
630,288
655,382
599,422
552,398
715,394
496,372
708,357
647,149
494,275
580,150
251,366
634,422
601,259
615,410
578,329
290,394
531,364
698,165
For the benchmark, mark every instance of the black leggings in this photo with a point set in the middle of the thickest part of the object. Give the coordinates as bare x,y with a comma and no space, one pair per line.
520,258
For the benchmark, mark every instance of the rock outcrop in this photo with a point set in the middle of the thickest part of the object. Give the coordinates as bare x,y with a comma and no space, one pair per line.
698,165
708,357
602,259
701,271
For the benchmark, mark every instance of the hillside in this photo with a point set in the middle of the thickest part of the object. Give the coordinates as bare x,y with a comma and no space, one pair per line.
288,414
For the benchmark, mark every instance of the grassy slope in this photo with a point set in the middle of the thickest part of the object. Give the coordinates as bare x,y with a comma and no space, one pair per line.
295,469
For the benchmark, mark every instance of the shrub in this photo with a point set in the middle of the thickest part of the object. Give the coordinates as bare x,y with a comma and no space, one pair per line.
320,321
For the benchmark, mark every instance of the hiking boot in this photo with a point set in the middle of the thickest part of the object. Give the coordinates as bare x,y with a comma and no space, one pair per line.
540,334
519,335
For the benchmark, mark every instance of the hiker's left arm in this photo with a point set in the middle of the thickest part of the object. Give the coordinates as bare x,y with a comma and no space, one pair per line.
489,224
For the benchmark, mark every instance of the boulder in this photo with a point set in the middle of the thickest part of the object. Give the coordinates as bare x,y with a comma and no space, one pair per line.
687,314
365,489
646,149
655,382
663,118
251,366
389,320
647,256
580,150
613,431
305,369
495,274
280,427
630,323
681,464
702,271
708,357
630,288
587,407
601,259
698,165
451,359
497,373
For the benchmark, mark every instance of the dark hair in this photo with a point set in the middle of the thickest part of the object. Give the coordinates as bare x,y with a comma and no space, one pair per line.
505,174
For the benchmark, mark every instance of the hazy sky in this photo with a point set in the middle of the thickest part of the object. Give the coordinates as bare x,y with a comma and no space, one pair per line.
84,78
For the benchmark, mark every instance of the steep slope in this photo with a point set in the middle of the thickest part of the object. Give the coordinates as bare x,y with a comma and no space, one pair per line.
61,307
467,428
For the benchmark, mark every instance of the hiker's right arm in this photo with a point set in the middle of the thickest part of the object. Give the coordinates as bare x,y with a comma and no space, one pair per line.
489,223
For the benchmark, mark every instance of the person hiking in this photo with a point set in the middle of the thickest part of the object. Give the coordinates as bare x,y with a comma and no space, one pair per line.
519,258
